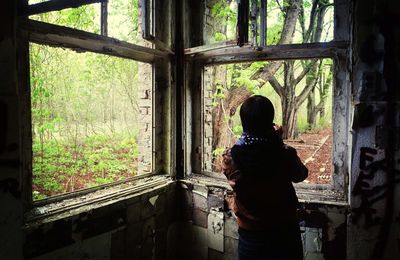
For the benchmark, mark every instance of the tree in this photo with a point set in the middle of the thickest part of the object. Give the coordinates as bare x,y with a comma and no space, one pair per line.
322,83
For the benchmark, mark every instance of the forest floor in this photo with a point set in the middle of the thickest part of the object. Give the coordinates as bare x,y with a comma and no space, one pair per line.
315,150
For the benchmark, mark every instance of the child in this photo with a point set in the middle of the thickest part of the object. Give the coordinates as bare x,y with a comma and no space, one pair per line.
261,168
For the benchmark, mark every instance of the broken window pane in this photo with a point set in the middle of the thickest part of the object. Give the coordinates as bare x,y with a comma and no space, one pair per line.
310,84
88,111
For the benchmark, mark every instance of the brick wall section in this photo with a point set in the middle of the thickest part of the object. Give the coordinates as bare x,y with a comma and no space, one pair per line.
210,231
207,123
135,228
145,119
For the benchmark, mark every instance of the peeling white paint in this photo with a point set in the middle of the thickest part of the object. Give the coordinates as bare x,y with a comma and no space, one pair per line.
153,200
203,194
215,234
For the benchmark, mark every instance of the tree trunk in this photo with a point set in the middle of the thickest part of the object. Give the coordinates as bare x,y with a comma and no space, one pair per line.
289,103
311,80
311,111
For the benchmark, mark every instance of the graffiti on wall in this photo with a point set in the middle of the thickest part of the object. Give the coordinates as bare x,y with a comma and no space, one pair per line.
364,187
370,192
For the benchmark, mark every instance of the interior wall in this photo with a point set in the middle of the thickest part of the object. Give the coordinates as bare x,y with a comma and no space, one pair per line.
209,229
195,224
136,228
374,225
11,235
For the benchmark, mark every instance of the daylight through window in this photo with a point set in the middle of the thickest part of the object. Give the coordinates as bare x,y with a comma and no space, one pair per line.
301,92
88,111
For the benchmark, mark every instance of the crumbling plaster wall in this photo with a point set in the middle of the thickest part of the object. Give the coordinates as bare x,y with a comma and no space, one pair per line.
374,223
137,228
209,228
11,236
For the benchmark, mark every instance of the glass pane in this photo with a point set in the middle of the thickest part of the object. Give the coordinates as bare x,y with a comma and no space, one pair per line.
88,111
227,86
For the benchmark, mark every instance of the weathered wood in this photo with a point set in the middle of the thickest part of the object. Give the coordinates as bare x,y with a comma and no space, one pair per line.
178,92
60,36
160,45
104,18
55,5
242,27
145,16
113,192
254,23
209,47
277,52
263,23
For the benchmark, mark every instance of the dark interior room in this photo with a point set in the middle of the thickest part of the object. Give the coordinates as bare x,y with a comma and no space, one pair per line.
115,117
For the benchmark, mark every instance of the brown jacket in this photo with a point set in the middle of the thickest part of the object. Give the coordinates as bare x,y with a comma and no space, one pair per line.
261,178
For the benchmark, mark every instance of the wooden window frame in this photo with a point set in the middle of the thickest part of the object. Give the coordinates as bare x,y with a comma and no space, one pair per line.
338,50
64,37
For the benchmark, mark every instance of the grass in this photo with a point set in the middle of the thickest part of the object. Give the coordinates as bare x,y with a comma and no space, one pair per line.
61,166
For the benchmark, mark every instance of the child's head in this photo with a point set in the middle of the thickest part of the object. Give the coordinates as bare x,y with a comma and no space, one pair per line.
257,115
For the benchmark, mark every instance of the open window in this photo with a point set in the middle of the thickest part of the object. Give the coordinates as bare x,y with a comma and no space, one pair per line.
89,98
295,56
87,113
227,86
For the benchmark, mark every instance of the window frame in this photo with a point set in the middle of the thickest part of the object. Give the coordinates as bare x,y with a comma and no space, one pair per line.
65,37
338,50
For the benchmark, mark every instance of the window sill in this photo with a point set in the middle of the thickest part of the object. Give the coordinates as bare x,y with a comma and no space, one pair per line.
63,208
307,193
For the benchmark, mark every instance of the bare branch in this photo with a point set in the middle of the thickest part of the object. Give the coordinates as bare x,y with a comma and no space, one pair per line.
280,6
312,20
276,86
311,66
304,94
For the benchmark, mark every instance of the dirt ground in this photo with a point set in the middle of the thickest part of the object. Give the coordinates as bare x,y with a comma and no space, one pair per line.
315,150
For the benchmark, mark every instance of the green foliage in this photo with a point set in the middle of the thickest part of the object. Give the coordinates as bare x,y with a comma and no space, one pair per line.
302,125
218,37
84,105
218,152
225,19
100,157
237,130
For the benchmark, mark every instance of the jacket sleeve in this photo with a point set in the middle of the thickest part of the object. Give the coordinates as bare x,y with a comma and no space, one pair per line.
297,170
229,168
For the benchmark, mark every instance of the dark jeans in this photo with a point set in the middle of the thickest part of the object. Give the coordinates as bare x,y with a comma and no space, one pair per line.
281,243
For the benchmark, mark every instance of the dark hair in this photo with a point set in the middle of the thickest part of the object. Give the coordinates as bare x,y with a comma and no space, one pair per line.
257,115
